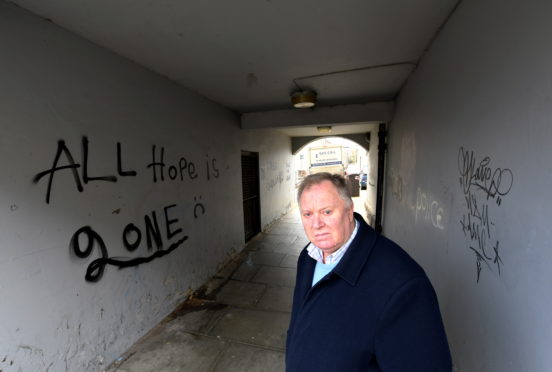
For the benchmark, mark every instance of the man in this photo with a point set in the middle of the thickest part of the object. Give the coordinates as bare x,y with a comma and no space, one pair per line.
360,302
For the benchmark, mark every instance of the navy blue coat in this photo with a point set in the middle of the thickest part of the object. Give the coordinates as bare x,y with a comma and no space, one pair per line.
376,311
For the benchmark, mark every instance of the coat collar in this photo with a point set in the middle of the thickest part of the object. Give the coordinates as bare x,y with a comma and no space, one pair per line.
352,263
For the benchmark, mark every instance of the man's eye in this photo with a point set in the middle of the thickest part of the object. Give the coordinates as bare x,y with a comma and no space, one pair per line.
306,214
327,212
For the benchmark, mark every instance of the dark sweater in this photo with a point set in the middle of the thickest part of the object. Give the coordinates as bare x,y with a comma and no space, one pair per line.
376,311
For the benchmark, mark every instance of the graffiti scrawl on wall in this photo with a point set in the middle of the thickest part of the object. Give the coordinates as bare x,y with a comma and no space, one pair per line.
85,239
160,170
484,188
429,210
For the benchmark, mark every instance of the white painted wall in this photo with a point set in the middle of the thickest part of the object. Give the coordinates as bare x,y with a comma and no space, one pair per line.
55,86
276,171
474,124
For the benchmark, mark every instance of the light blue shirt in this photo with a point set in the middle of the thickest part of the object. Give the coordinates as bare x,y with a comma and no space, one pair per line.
321,270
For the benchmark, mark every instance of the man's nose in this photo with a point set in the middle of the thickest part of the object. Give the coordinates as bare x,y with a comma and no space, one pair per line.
317,221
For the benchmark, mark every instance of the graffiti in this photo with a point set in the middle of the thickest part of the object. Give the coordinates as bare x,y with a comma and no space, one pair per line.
276,180
120,170
493,183
182,169
85,177
429,210
132,238
148,234
397,185
25,356
73,166
211,168
482,184
6,361
288,170
198,206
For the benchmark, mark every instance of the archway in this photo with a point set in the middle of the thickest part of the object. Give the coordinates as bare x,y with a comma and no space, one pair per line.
355,159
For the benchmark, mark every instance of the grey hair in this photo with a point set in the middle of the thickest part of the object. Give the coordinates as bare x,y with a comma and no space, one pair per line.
339,182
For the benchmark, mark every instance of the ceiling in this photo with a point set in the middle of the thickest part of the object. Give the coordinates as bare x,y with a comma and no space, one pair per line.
250,55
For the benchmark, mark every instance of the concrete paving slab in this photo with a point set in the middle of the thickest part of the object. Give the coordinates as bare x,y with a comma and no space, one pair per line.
246,271
214,284
198,321
266,258
263,328
276,276
277,299
238,293
255,243
255,247
298,247
185,353
281,248
243,358
279,239
290,261
228,269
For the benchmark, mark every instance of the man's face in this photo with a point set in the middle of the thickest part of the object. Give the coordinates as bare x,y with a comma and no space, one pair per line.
327,221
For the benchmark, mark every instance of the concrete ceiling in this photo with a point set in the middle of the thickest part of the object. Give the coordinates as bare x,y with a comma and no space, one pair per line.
249,55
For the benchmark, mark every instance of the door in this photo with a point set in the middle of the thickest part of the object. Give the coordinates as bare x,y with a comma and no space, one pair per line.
251,197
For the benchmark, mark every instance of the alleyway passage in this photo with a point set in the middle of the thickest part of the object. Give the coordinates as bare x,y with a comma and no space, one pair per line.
239,322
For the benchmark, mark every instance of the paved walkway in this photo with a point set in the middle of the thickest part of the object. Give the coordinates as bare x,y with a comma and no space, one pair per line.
238,321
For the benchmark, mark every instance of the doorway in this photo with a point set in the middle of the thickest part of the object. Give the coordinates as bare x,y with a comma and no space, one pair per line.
251,194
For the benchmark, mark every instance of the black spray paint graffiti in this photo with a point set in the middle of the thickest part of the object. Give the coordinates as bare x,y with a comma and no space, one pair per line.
85,239
161,171
132,239
198,206
73,166
482,184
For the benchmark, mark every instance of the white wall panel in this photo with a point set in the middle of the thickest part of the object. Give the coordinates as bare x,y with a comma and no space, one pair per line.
469,177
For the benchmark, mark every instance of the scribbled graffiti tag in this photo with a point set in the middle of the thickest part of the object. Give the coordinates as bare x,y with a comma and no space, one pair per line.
481,184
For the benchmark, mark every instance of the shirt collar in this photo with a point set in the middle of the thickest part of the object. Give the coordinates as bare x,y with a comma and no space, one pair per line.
318,255
351,266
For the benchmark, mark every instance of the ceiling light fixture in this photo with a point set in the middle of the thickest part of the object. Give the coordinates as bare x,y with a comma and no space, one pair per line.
324,129
303,99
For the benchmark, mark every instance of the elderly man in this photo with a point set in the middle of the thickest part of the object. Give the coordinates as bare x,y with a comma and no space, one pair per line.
360,302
